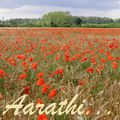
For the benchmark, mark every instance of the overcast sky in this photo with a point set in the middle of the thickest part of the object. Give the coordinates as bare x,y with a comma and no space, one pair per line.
36,8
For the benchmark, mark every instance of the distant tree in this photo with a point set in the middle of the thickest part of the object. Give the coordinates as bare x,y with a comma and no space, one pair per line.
96,20
76,21
117,20
57,19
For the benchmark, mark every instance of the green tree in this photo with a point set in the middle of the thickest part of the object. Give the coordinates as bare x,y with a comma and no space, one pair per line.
76,21
57,19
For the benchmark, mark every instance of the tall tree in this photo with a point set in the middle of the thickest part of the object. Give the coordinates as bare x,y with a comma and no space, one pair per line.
57,19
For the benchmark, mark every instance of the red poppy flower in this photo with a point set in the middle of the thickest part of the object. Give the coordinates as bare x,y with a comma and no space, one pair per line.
0,55
22,57
40,82
114,65
73,58
1,96
101,51
84,59
100,68
24,64
30,59
93,60
41,74
52,93
39,101
67,57
42,117
82,83
110,57
2,73
45,88
27,90
23,76
103,60
90,70
57,57
34,65
59,71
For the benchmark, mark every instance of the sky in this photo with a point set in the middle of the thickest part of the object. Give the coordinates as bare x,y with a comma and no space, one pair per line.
37,8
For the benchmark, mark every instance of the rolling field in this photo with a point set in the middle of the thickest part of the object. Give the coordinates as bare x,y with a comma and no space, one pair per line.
54,64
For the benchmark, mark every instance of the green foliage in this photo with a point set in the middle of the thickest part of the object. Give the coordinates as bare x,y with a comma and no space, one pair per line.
97,20
110,25
62,19
2,89
20,23
76,21
57,19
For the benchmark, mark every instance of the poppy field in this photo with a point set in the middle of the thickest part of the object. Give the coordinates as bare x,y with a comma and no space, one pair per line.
54,64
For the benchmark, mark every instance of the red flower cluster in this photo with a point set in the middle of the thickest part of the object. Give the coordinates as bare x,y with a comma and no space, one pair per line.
22,57
59,71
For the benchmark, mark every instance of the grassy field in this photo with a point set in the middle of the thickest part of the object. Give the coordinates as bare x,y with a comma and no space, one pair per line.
54,64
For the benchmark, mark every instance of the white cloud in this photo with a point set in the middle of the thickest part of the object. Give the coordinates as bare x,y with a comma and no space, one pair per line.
28,11
34,11
114,13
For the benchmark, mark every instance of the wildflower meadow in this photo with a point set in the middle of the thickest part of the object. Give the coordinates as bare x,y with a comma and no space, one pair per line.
50,65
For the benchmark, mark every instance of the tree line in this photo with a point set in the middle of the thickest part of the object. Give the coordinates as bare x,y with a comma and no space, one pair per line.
61,19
